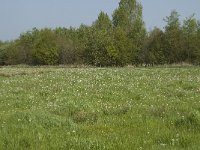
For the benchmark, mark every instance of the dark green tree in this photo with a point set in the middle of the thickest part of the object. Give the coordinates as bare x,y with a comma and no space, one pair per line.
198,44
3,48
173,39
190,40
153,52
122,46
26,47
70,48
45,48
11,53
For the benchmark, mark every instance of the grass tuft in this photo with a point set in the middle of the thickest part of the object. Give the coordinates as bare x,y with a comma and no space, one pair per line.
84,117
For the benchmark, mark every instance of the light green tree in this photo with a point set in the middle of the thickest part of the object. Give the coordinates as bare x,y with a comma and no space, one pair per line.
100,50
128,17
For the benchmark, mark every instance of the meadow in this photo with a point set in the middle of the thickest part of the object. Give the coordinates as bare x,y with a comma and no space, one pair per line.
100,108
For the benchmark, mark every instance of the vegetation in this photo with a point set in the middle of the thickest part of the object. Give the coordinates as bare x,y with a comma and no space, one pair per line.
58,107
117,41
99,108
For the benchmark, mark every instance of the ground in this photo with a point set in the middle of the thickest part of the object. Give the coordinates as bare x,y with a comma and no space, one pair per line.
100,108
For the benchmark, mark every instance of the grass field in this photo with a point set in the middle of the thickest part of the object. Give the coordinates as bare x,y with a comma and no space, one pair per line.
100,108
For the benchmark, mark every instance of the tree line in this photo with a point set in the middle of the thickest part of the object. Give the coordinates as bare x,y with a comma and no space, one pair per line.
117,41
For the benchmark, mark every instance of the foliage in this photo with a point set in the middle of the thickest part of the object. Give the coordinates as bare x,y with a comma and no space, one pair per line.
3,47
128,17
97,48
190,40
45,48
153,51
173,38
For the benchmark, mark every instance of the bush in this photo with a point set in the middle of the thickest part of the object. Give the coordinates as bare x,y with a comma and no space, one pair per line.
46,56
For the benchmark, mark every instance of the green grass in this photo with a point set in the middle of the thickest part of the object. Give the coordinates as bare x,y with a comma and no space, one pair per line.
100,108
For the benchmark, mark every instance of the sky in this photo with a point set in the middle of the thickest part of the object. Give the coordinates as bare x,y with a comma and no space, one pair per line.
18,16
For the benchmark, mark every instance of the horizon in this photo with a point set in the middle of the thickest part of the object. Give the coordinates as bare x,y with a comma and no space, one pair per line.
21,16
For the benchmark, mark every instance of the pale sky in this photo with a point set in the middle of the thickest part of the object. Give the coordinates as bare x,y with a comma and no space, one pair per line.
17,16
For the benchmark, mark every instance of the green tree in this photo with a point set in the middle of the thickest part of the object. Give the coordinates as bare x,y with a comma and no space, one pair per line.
70,48
190,39
26,47
85,37
45,48
3,48
173,35
198,44
11,53
67,51
128,17
99,50
153,52
103,22
122,47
